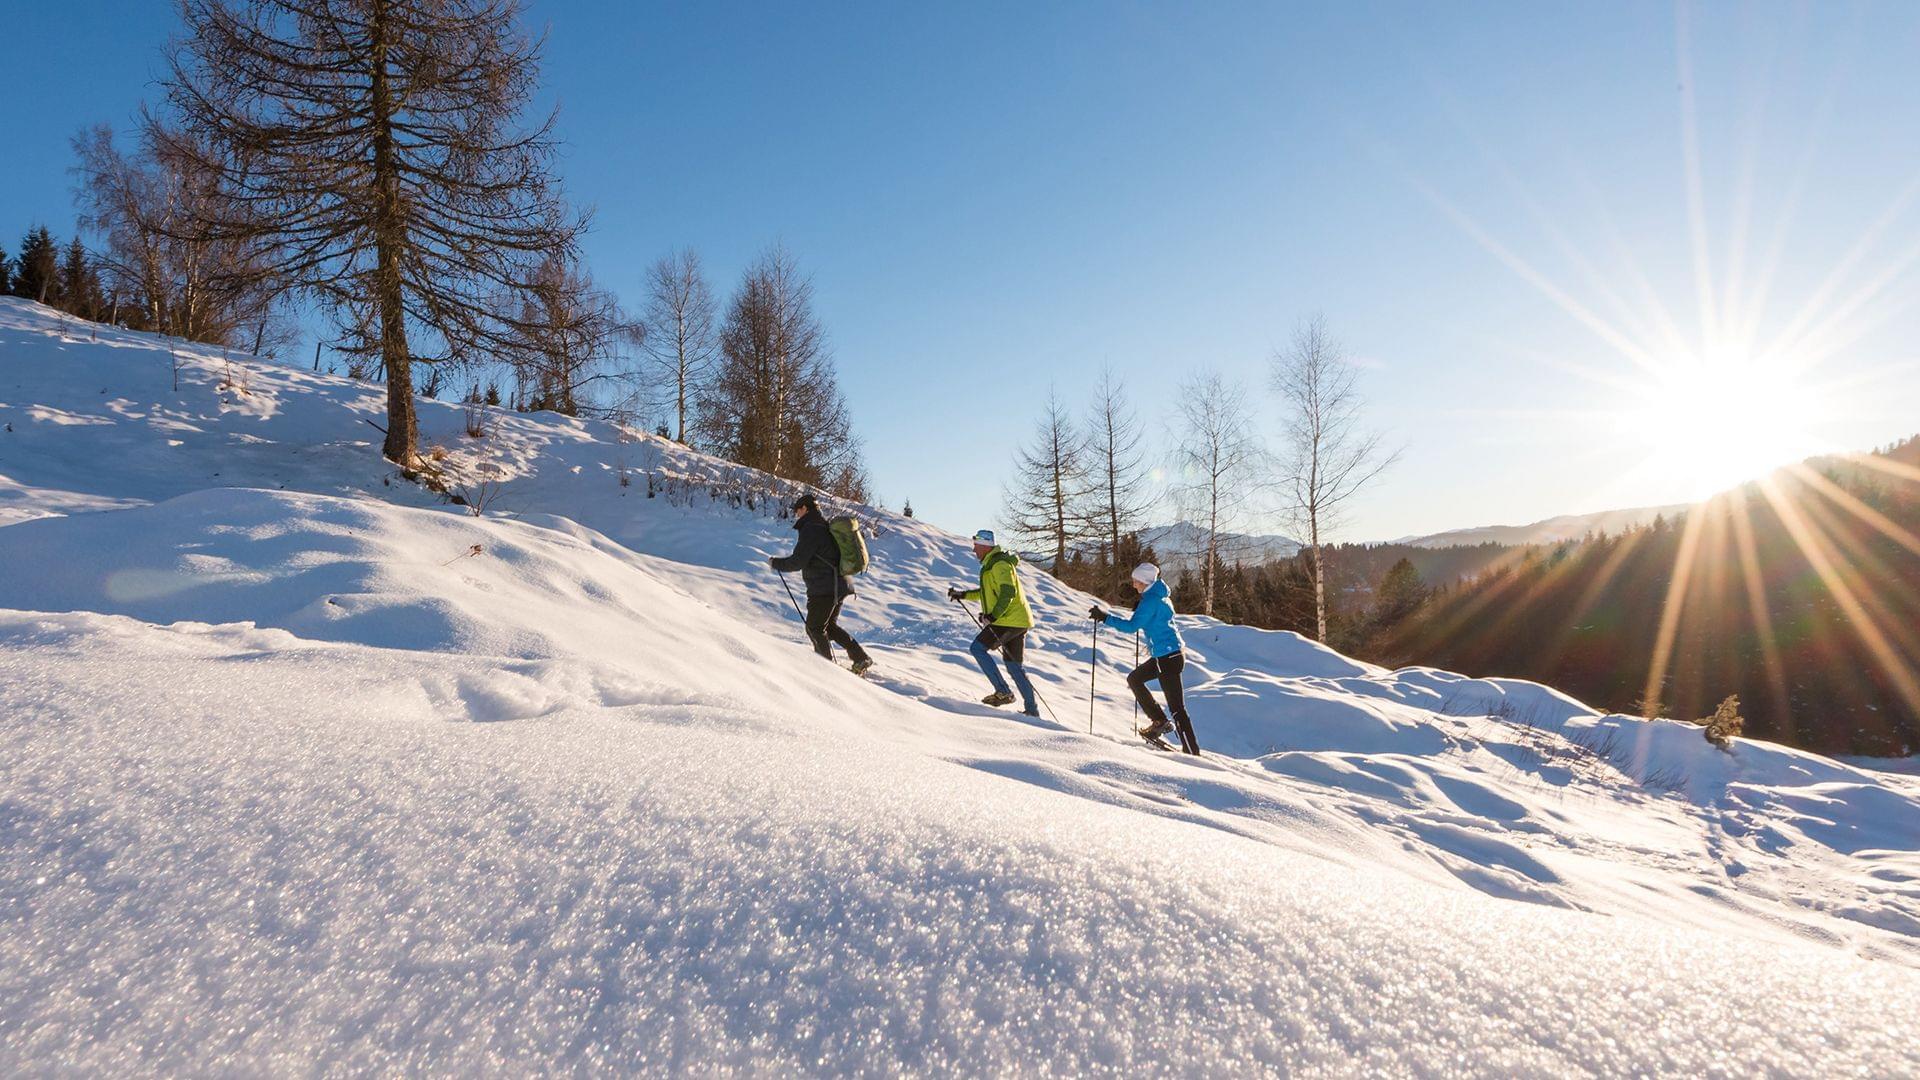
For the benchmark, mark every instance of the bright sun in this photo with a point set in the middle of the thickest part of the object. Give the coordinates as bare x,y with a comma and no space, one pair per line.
1719,422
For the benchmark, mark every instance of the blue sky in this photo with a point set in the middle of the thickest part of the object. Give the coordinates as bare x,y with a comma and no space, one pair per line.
1494,206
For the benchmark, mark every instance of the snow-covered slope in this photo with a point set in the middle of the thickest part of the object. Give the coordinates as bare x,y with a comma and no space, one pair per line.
302,769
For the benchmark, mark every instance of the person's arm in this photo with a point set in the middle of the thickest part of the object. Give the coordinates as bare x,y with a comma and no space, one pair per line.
999,607
1122,623
1002,592
804,549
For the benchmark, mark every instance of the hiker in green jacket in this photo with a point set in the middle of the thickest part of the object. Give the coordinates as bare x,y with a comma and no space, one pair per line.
1004,623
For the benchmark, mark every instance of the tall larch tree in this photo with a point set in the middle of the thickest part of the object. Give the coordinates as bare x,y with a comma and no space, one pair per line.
376,147
1118,498
1046,501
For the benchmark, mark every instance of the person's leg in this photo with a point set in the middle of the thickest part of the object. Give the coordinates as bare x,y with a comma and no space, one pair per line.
1137,681
982,655
840,637
1170,669
820,612
1013,649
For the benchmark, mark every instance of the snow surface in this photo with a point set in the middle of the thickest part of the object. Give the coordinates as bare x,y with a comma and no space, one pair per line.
303,770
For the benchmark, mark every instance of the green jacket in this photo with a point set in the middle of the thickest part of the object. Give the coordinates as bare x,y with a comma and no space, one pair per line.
999,593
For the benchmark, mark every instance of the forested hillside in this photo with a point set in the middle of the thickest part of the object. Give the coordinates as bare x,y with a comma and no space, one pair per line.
1800,593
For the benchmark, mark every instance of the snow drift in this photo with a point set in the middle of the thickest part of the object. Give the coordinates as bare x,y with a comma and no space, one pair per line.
301,769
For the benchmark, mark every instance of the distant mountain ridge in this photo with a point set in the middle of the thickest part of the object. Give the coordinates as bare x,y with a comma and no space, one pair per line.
1181,544
1547,531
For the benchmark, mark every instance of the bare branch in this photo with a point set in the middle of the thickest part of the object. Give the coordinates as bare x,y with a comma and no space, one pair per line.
1328,458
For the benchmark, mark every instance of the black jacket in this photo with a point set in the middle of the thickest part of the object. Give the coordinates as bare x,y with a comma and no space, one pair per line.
817,557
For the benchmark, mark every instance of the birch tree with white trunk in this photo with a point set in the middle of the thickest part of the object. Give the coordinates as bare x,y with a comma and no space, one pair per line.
1328,457
680,334
1215,463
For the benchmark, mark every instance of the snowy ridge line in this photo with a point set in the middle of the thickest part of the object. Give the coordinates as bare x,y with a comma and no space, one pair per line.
288,774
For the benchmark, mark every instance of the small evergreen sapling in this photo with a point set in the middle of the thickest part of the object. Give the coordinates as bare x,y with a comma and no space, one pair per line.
1725,723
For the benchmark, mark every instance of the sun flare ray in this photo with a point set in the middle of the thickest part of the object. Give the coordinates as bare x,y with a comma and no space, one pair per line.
1676,602
1892,666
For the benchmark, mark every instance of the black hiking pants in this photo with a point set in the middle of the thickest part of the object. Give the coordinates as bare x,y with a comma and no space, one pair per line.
1165,670
823,627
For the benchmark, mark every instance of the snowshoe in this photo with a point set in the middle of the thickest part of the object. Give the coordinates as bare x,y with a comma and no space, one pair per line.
1151,735
862,666
998,697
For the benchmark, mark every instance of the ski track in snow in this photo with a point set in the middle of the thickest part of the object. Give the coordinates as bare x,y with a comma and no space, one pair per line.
290,780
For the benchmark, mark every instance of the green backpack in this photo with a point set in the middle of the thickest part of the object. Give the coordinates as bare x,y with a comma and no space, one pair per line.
853,546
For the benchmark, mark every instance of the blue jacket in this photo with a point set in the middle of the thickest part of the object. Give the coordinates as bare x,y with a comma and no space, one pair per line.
1154,614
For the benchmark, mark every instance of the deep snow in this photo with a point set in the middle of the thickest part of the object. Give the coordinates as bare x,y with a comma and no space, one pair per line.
301,768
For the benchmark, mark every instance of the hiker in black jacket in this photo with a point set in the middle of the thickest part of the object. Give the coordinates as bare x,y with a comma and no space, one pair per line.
817,558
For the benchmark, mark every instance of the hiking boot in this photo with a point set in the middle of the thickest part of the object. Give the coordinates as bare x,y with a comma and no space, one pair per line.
863,665
998,697
1156,729
1030,711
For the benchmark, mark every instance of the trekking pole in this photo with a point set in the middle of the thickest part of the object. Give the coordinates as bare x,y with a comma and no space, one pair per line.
1043,704
790,599
969,611
1093,677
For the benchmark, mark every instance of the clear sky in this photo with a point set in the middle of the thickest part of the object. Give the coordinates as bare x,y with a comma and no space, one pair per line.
1586,256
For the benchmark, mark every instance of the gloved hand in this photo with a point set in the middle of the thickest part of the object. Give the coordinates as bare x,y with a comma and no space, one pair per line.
773,561
955,592
1097,614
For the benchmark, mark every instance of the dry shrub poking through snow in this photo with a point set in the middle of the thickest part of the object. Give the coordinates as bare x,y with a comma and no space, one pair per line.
474,412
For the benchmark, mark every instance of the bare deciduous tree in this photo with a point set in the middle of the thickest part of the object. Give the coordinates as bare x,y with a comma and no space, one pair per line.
1118,499
181,278
1216,458
1328,458
571,337
1046,502
680,339
774,403
373,148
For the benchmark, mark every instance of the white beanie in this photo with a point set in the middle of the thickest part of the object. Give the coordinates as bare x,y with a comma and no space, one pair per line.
1146,573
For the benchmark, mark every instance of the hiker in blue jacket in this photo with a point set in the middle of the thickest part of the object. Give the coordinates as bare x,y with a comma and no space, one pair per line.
1154,616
